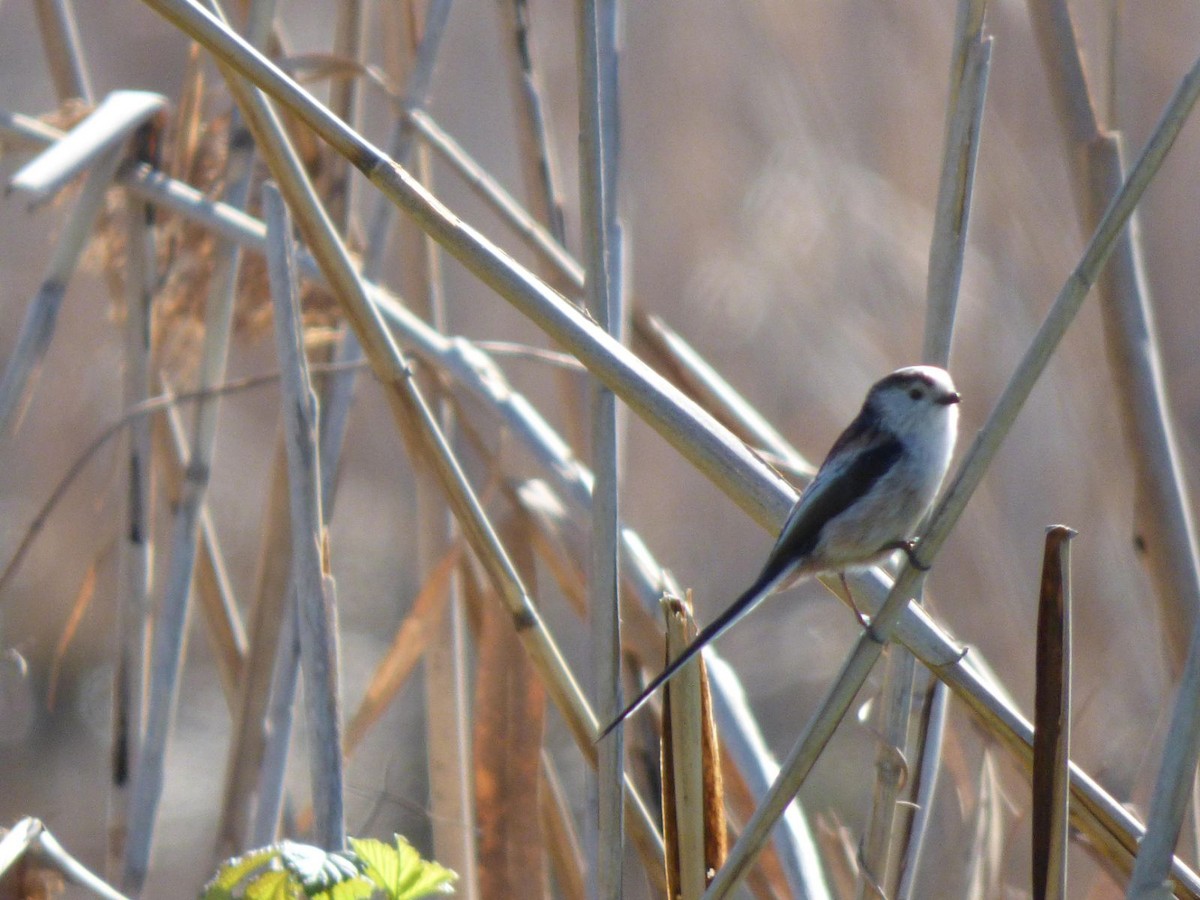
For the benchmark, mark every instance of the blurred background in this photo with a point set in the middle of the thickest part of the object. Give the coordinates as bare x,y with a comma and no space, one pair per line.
778,175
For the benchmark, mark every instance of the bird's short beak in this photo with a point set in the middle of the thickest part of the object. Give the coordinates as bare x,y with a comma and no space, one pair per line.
950,399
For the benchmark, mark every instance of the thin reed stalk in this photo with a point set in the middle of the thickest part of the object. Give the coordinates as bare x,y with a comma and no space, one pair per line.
134,566
926,775
221,612
448,713
64,55
598,167
315,598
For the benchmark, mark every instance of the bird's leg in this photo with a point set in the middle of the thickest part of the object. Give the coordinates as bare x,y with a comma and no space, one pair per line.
862,620
910,550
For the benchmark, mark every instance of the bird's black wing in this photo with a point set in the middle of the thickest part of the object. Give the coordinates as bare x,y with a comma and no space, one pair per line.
825,499
829,497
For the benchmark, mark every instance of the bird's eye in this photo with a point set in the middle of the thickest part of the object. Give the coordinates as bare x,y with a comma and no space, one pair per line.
916,393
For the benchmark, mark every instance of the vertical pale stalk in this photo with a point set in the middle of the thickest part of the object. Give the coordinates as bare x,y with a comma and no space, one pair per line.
280,714
245,771
213,590
562,843
447,697
598,152
348,39
135,562
539,173
927,777
878,868
64,55
316,603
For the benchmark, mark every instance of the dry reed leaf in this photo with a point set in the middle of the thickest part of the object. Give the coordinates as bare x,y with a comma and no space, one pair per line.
83,599
510,709
412,637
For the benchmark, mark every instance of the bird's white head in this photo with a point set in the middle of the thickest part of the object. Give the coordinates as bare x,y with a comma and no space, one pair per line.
916,402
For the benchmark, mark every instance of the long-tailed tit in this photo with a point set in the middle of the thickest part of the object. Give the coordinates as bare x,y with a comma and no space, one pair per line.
878,481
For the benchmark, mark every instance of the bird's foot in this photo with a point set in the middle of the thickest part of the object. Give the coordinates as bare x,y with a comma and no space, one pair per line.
910,550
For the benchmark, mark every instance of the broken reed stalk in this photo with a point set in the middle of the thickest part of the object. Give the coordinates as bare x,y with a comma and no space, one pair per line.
1052,719
693,798
682,773
314,593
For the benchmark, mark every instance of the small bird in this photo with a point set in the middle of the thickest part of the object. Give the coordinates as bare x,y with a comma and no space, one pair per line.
878,481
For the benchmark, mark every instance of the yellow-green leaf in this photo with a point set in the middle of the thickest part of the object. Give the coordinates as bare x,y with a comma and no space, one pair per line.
234,870
399,870
276,885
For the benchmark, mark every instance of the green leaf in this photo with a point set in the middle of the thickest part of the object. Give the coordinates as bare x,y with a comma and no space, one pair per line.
317,870
357,888
400,872
234,871
274,885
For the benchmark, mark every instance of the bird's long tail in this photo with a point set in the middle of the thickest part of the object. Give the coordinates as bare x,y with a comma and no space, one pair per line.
765,584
